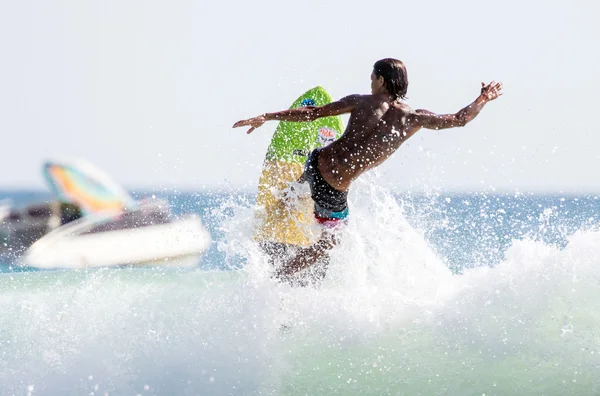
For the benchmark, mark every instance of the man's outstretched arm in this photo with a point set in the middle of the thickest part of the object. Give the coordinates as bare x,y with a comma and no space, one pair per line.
302,114
429,120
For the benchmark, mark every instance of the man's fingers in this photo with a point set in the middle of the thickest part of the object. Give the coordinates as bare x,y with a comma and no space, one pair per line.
493,84
240,123
250,130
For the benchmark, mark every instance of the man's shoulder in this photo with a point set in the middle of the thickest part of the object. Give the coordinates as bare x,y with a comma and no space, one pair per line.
356,98
376,100
401,106
364,99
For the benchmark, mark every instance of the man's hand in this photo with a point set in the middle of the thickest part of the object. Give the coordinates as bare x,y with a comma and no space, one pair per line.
255,122
491,91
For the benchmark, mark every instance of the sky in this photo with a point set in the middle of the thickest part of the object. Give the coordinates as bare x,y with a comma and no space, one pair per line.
148,90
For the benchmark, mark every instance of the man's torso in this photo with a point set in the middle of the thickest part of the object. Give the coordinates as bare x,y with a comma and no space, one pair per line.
377,127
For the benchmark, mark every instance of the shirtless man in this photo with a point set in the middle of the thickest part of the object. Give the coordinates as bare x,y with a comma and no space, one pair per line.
379,123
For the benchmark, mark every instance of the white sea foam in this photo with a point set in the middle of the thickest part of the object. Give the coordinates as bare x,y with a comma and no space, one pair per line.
390,318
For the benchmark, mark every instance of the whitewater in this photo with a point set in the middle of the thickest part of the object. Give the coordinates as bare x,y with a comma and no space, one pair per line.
436,295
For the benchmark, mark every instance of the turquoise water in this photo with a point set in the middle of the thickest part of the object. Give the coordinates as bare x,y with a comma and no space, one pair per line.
435,294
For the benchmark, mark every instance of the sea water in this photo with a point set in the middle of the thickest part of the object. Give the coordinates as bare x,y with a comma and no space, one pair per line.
427,294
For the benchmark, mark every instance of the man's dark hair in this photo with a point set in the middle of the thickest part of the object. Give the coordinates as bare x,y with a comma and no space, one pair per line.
394,76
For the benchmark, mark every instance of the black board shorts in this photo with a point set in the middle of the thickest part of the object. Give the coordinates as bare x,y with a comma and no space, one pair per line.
330,204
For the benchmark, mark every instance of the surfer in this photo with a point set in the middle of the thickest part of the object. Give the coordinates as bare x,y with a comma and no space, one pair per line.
379,123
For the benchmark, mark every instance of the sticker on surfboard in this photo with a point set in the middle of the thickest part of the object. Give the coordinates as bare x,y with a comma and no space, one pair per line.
326,135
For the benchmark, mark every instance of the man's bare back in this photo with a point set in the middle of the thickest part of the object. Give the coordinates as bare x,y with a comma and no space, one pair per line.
379,123
376,128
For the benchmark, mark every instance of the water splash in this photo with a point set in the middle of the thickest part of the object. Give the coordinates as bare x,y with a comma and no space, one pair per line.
390,318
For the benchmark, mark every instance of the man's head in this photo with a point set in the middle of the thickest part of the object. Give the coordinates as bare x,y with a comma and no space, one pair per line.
389,75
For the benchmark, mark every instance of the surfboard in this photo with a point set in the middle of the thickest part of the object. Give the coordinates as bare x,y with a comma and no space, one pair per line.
291,221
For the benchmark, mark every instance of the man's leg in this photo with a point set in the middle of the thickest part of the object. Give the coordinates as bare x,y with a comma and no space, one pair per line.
274,251
307,257
278,254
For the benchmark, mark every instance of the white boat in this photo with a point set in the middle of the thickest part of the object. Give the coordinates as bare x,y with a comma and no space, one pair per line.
95,223
147,235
